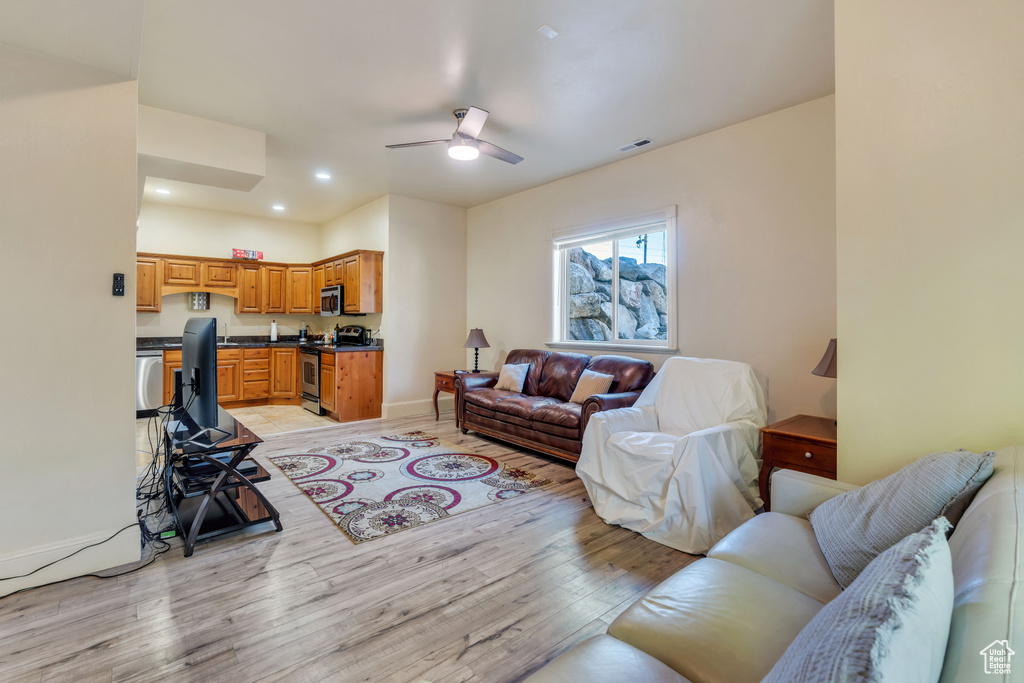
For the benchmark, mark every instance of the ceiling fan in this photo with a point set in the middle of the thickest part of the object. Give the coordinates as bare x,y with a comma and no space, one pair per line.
465,145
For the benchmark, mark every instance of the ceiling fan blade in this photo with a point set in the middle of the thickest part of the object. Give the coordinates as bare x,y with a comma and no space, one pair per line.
418,144
473,122
498,153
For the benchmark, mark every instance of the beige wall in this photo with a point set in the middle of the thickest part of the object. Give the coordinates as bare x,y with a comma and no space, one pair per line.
166,229
67,223
929,149
756,248
426,305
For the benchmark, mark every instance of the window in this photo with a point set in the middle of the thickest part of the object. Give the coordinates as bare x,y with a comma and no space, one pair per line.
615,283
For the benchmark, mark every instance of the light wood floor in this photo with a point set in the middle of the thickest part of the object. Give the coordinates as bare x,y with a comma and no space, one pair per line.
488,595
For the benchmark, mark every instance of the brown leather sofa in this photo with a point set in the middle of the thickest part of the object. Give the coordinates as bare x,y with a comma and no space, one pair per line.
541,417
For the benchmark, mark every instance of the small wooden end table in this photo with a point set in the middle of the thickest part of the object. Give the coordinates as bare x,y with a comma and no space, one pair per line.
445,381
804,443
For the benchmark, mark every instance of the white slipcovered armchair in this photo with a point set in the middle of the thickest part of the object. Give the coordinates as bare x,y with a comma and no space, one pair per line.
681,465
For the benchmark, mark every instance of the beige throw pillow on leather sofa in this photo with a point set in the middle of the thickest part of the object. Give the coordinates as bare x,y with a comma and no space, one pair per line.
512,377
590,383
854,527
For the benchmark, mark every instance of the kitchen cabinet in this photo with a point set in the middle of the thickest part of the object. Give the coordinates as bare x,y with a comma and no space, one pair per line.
229,375
284,373
148,276
255,373
250,287
363,280
329,278
328,391
318,284
275,289
299,289
182,272
218,274
358,388
172,362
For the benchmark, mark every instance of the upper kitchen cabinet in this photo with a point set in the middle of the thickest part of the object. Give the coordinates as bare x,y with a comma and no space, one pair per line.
148,273
182,272
275,289
318,284
250,287
300,289
363,281
218,274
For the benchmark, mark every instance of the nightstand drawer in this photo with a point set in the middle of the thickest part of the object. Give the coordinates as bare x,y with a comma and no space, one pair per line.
442,383
805,454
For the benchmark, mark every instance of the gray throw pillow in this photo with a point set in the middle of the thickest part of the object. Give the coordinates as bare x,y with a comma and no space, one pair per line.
854,527
891,625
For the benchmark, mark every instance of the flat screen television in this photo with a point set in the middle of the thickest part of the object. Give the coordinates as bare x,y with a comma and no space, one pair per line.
199,371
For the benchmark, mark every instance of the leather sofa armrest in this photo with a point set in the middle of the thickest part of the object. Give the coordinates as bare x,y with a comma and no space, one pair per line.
477,380
599,402
797,493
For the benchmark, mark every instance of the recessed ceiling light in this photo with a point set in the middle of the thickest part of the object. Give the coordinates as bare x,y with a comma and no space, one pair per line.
323,175
278,207
163,191
547,31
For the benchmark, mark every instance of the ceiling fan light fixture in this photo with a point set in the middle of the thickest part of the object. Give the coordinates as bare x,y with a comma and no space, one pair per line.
463,149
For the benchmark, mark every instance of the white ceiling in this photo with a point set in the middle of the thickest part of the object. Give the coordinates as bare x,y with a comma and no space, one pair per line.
332,81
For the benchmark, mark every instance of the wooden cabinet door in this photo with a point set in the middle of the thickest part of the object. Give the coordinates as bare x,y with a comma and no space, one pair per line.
318,284
275,291
359,378
250,286
300,289
328,390
148,276
363,282
181,272
218,274
350,267
284,373
229,375
172,362
329,279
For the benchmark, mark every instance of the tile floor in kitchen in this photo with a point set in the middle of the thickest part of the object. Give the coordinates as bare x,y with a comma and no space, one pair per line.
263,420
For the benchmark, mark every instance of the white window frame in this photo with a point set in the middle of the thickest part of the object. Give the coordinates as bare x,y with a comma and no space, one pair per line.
564,240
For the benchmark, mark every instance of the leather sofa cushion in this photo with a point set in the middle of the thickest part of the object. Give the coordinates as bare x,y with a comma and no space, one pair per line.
603,659
631,374
488,398
561,373
782,548
523,406
566,415
714,621
536,360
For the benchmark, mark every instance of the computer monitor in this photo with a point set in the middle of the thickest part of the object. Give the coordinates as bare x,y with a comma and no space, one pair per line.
199,371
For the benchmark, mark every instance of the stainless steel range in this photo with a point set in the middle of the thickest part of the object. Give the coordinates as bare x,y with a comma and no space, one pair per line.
309,360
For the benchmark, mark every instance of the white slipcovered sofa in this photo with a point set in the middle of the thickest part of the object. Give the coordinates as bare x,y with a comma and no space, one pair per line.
730,616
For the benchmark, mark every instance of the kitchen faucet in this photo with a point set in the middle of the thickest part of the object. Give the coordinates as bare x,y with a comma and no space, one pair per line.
225,333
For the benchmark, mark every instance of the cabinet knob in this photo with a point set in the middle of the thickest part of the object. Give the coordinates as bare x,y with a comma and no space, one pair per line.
808,455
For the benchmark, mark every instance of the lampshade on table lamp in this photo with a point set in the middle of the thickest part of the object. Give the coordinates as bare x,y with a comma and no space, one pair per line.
827,365
476,341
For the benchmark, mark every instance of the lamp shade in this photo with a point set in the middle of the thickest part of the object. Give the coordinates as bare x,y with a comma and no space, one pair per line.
476,340
827,365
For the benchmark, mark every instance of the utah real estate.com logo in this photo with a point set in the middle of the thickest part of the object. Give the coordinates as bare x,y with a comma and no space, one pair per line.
997,657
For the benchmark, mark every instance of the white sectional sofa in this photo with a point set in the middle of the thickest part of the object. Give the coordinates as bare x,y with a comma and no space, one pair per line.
730,616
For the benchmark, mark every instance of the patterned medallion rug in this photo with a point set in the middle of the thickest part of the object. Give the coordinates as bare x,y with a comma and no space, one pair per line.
389,483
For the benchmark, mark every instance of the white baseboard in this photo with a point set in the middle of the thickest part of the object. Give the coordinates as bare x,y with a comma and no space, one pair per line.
122,549
421,407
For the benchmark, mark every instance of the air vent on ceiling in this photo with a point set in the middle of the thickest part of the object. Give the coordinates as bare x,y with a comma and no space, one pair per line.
635,144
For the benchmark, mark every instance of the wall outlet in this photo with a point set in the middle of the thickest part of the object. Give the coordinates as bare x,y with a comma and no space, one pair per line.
118,284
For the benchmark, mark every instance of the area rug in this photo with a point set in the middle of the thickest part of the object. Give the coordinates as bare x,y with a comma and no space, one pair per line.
378,486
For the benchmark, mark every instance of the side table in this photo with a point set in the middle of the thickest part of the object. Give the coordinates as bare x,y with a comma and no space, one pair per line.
804,443
444,381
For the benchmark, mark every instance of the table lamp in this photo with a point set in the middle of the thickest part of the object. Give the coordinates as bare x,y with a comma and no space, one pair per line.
476,341
827,365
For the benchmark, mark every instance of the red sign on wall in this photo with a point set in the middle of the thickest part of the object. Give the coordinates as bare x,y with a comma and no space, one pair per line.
247,254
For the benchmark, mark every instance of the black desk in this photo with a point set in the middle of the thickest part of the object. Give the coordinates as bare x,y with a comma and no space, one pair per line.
207,493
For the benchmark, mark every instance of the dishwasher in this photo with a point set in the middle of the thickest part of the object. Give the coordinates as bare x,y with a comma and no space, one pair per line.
149,382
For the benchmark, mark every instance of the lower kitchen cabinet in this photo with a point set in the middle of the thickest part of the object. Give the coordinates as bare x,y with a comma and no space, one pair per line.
229,375
284,373
327,385
358,388
255,373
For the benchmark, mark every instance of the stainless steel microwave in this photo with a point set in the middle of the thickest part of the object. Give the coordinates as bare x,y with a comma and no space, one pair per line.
330,300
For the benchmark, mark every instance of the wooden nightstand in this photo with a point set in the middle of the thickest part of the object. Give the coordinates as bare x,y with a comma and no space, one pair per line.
444,381
804,443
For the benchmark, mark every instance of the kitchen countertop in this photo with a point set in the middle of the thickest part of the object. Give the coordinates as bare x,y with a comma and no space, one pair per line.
174,343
